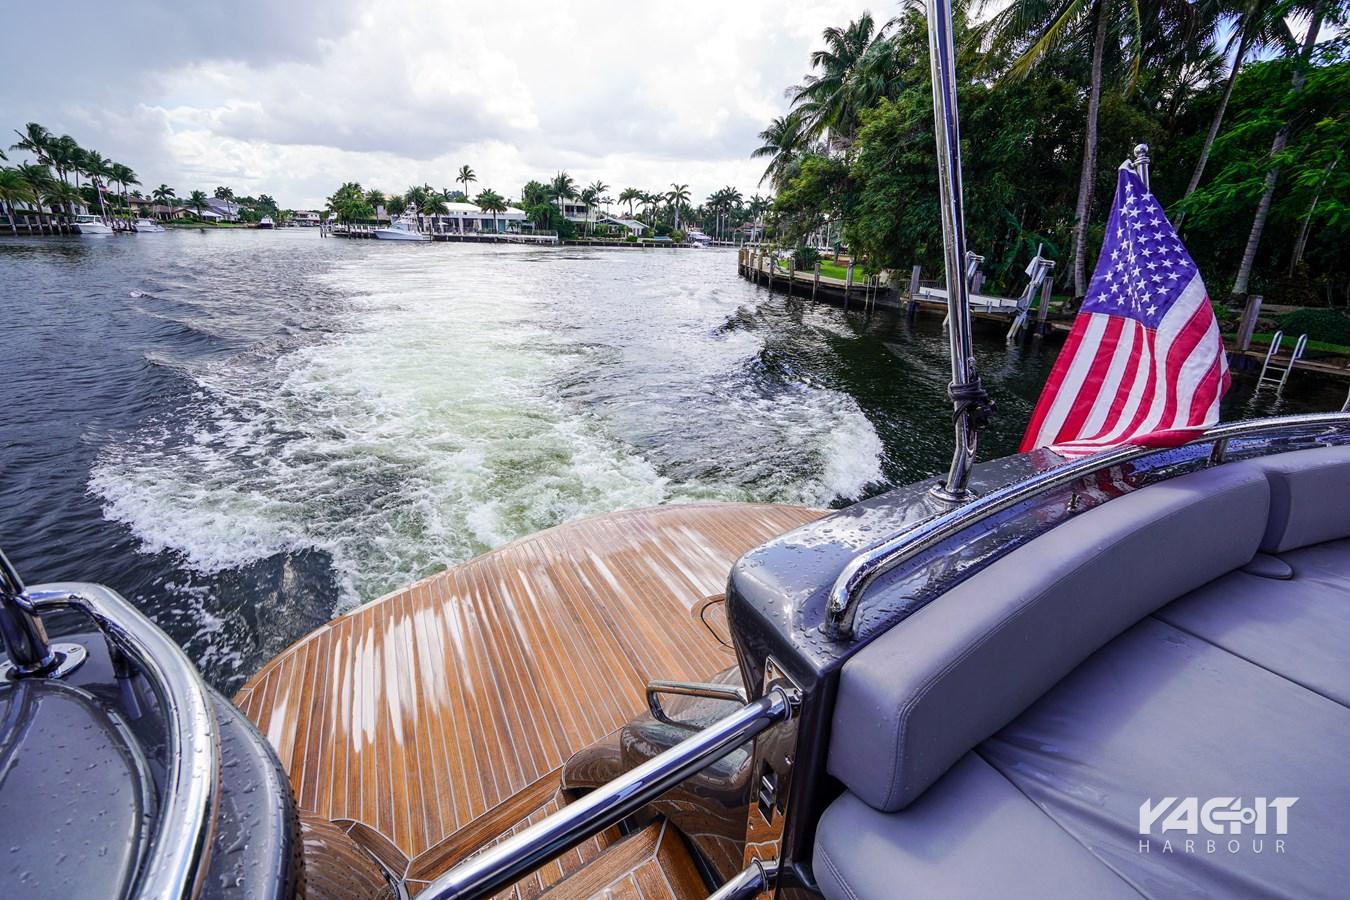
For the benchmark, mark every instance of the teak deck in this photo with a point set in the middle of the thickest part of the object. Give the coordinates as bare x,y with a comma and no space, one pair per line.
435,719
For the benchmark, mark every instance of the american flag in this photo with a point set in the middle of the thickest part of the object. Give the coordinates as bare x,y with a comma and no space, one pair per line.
1144,363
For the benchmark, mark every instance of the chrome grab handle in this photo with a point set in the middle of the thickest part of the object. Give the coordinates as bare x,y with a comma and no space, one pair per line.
705,689
842,606
181,846
21,631
753,880
506,862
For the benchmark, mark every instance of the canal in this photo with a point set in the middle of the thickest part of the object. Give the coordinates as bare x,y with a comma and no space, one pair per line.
248,432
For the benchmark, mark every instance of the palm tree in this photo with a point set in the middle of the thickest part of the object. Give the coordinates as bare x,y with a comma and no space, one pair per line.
36,140
653,204
433,202
14,189
490,201
61,194
562,188
630,196
829,101
466,177
38,179
678,195
124,177
99,171
376,199
784,140
728,198
757,207
224,193
164,196
197,200
1039,26
1259,24
66,156
593,196
1277,146
588,198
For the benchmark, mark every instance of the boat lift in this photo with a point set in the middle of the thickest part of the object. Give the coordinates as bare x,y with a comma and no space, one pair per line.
1277,374
1019,307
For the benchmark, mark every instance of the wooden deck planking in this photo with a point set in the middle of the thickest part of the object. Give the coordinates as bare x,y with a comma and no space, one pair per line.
412,717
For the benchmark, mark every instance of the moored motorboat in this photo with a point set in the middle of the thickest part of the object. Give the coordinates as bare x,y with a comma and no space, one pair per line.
86,223
401,229
147,226
266,223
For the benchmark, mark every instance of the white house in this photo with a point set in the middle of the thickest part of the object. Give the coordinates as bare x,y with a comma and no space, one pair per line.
633,226
227,210
466,218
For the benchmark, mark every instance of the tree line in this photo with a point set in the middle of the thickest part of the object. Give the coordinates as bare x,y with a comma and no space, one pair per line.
668,212
64,177
1246,120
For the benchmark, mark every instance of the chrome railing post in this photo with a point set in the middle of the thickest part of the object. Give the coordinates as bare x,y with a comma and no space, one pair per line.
24,636
510,860
965,388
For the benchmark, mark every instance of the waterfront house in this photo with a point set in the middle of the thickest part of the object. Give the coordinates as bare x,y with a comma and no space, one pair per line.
632,226
466,218
306,218
225,210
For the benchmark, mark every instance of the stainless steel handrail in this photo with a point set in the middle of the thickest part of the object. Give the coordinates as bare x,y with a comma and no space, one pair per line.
181,846
842,605
517,856
704,689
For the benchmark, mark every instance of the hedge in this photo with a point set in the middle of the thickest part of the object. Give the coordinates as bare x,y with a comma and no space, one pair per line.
1326,325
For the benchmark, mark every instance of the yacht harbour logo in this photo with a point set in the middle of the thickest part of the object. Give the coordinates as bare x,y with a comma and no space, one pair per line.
1180,820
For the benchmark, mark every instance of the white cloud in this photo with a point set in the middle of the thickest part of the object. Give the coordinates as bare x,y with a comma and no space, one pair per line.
293,98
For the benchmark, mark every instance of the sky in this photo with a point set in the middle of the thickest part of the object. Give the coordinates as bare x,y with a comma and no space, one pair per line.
293,97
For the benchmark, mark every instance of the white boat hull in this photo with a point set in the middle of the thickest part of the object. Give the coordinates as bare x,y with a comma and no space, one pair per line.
148,226
92,228
394,234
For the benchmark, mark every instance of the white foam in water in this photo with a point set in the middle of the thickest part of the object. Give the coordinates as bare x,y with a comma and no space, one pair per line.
428,426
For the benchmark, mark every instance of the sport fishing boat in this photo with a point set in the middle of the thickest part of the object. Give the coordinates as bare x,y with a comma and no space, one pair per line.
402,228
1120,674
86,223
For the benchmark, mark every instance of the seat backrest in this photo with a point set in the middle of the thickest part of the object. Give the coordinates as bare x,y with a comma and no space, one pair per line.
1309,497
921,695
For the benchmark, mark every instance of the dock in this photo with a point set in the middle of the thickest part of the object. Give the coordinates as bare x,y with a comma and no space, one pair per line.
761,267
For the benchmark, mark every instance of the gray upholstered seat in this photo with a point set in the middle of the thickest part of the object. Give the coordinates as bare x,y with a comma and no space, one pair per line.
1240,688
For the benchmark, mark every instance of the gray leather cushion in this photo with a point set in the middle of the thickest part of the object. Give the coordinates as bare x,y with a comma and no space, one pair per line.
1309,497
920,696
1298,628
972,835
1160,713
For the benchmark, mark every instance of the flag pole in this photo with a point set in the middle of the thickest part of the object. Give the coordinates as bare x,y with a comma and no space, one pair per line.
1141,163
971,404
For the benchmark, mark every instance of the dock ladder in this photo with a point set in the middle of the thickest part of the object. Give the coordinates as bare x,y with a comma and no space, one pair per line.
1272,372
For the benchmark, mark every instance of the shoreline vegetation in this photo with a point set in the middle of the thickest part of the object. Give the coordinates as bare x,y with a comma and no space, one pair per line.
1242,105
562,207
1243,108
64,180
